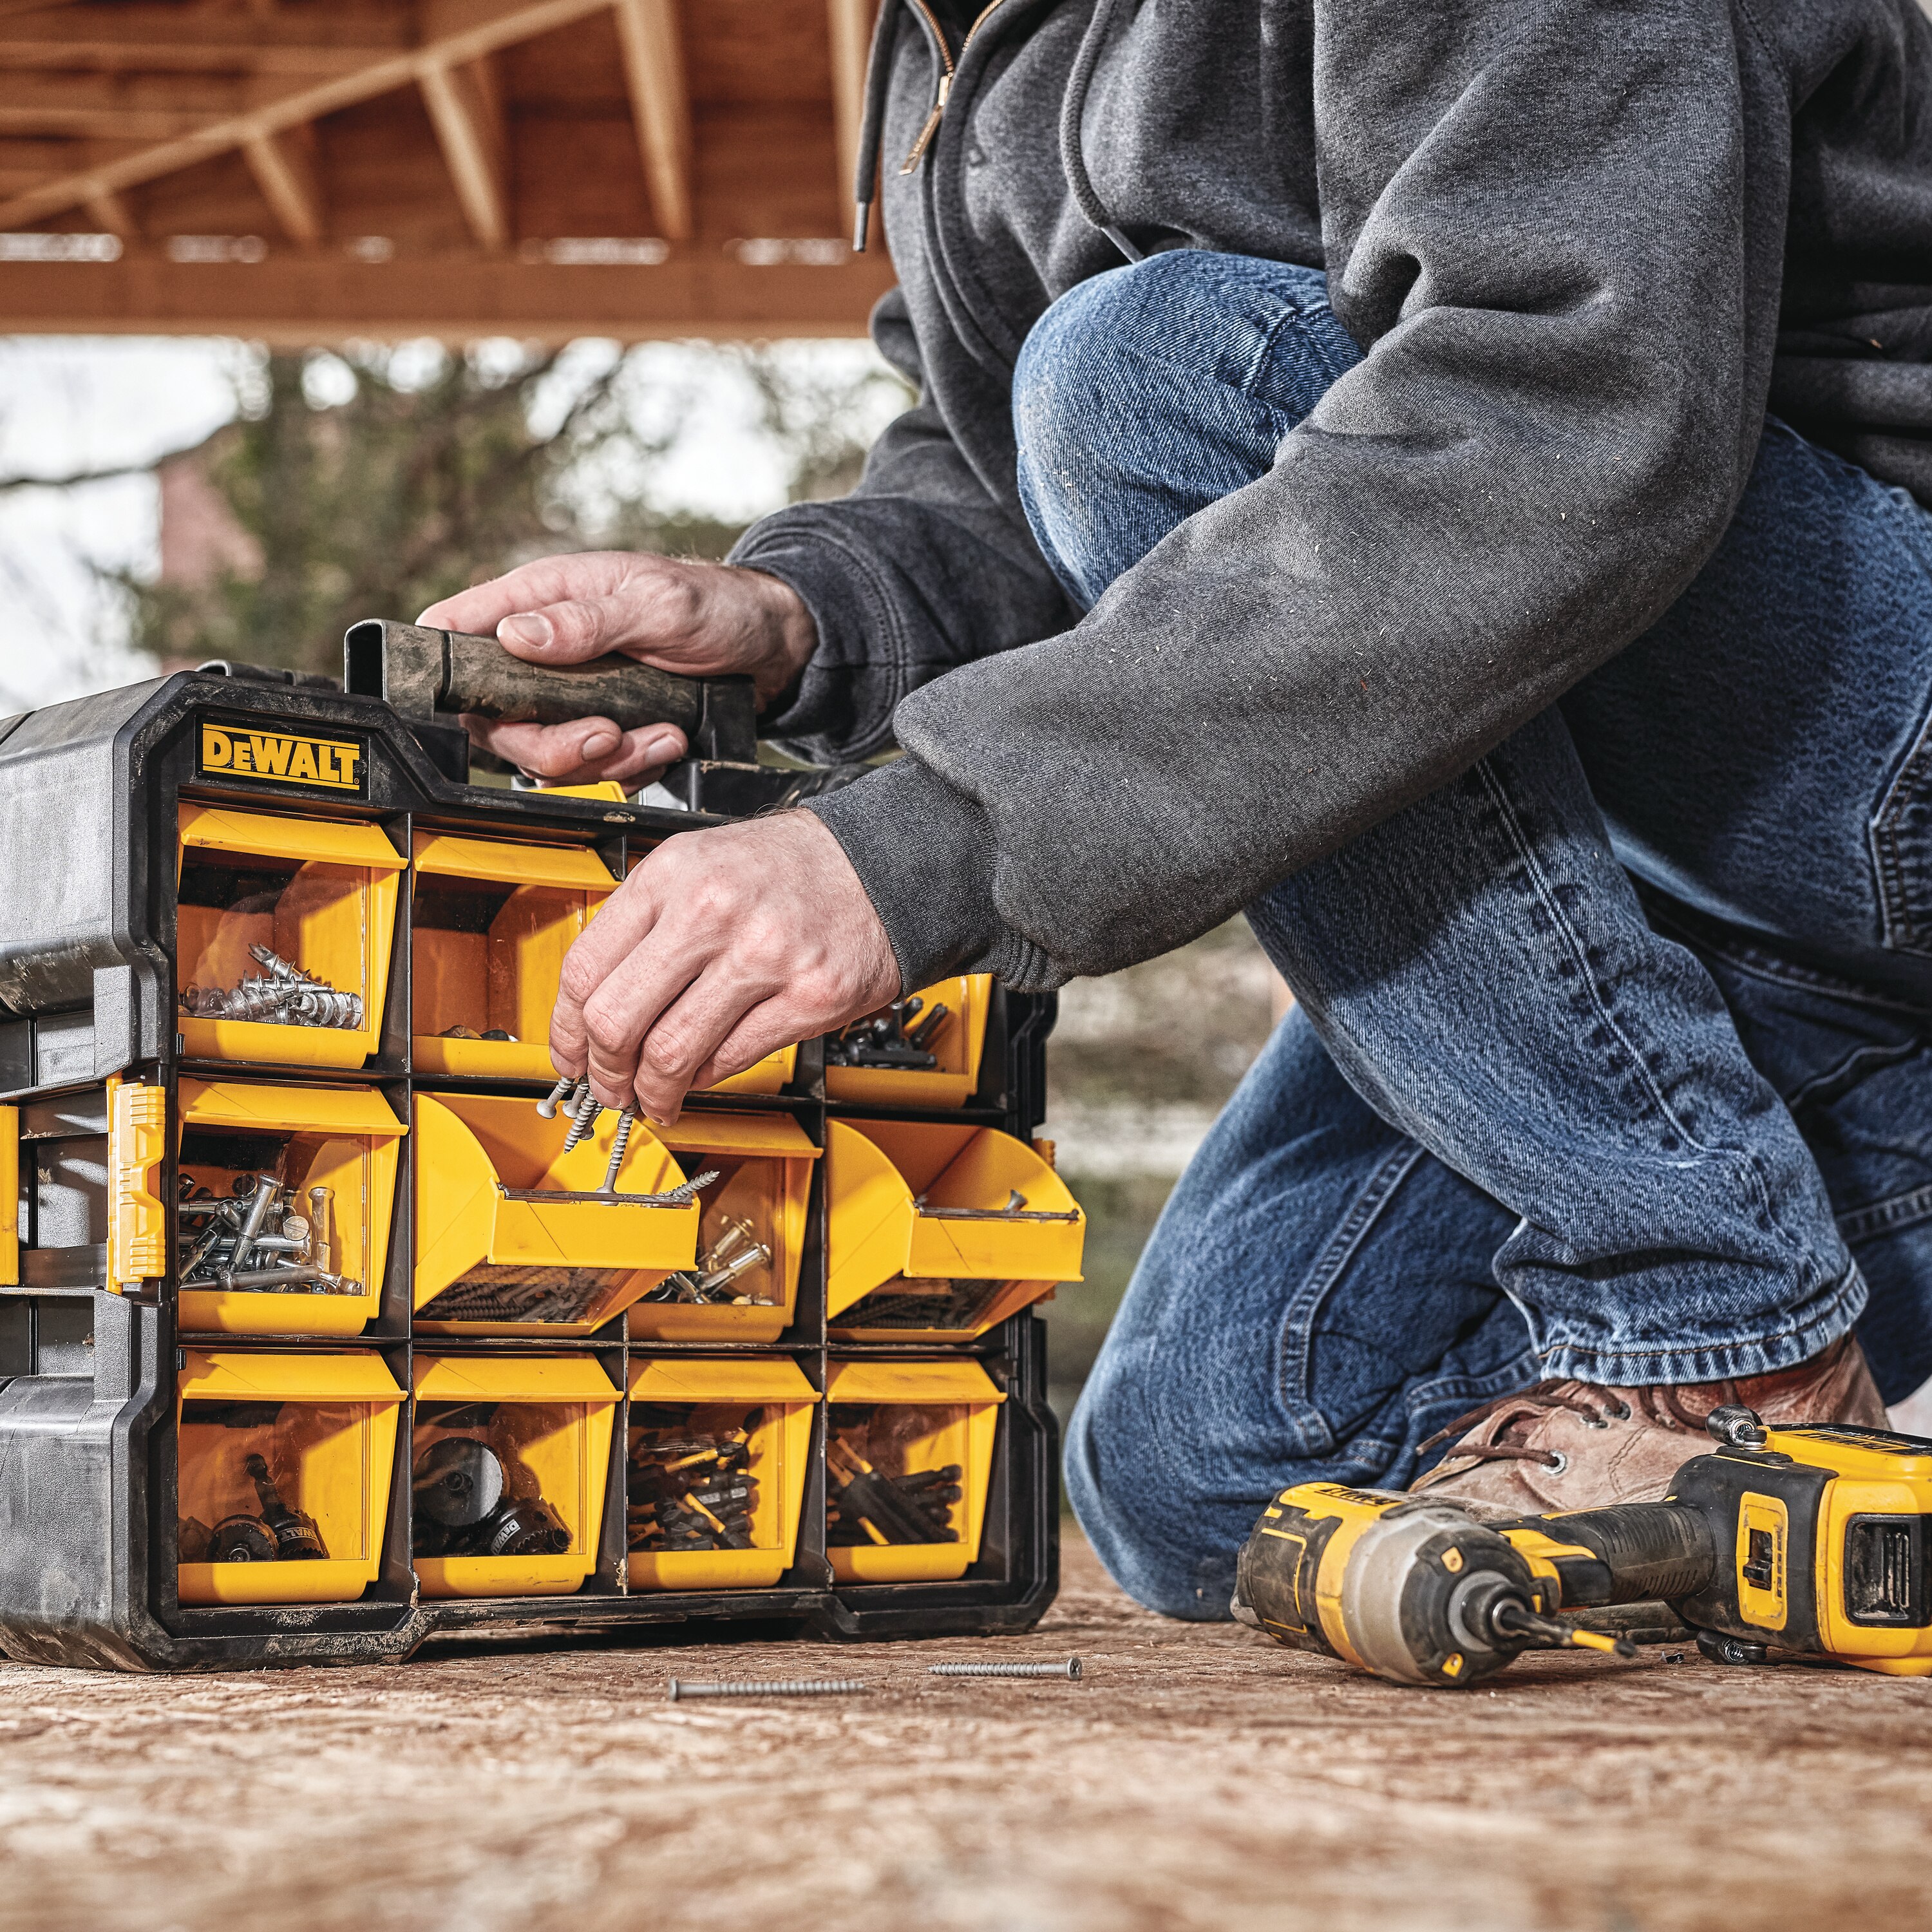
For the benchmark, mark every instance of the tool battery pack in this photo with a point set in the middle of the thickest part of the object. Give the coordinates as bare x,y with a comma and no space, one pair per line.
321,1336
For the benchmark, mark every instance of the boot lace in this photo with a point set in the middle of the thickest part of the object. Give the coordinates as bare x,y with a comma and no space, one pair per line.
1599,1407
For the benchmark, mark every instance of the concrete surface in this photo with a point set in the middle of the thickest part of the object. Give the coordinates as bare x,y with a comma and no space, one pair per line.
1199,1777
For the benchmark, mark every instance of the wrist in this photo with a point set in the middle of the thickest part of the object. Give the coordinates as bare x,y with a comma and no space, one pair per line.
786,632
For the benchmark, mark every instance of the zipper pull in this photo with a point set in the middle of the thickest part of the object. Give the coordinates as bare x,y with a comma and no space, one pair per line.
916,153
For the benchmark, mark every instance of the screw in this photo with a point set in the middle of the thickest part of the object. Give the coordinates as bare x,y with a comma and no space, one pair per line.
547,1107
625,1119
785,1687
1071,1668
583,1118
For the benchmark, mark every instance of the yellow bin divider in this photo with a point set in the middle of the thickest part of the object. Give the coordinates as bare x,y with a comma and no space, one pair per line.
935,1414
335,918
958,1047
904,1203
763,1162
325,1427
346,1139
717,1395
549,1421
512,1237
500,976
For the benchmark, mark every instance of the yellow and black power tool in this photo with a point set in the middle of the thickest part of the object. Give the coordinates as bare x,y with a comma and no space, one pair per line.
1797,1542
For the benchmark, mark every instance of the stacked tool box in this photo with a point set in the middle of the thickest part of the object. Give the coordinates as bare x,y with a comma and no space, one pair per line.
316,1338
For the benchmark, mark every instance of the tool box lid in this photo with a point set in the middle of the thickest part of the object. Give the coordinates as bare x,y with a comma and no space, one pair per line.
232,1375
264,1109
739,1133
510,1378
676,1380
262,834
909,1381
508,862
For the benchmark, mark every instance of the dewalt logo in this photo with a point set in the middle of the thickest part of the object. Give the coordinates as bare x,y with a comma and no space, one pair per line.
284,757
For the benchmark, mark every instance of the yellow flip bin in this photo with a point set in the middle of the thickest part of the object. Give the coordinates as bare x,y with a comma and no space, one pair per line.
957,1046
318,895
936,1232
890,1420
341,1143
763,1165
320,1431
547,1422
491,921
513,1236
758,1414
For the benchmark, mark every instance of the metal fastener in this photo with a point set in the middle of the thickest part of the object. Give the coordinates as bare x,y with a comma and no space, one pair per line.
785,1687
584,1118
547,1106
1071,1668
621,1140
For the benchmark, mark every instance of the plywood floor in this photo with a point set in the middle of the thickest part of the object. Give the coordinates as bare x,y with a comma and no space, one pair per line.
1198,1777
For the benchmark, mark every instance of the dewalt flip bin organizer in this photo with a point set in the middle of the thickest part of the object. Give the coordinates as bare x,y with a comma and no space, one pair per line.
317,1341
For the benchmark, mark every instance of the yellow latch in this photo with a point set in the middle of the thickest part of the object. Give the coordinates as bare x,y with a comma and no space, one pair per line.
137,1143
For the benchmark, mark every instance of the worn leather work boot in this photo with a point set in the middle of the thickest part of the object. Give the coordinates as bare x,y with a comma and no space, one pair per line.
1571,1445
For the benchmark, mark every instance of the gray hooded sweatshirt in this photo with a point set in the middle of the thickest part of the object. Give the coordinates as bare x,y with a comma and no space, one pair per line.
1585,245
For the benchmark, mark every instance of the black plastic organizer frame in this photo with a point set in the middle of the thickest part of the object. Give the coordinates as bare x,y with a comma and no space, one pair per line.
88,796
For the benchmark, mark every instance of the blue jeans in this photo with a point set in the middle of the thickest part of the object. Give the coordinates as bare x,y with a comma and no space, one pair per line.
1607,1058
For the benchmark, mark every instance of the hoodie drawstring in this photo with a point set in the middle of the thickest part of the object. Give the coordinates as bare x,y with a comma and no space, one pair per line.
871,128
872,124
1073,111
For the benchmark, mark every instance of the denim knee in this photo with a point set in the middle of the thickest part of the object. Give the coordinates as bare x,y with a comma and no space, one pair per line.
1146,393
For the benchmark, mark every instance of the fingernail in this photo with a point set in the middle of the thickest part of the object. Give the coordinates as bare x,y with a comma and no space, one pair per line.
664,745
597,744
531,628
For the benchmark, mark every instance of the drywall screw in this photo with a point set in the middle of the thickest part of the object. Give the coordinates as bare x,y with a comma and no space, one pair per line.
784,1687
583,1119
547,1106
625,1119
1071,1668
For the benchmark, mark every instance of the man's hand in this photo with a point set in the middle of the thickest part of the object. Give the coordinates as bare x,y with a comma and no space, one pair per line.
700,619
722,947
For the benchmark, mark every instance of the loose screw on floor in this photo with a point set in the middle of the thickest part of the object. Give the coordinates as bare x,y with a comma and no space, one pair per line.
790,1686
1071,1668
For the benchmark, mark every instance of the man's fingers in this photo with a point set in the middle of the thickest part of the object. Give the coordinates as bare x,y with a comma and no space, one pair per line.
763,1029
583,751
621,1018
572,631
531,586
687,1035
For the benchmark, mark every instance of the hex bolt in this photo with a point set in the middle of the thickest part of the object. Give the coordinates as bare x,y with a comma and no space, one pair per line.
1071,1668
583,1119
547,1106
785,1687
625,1120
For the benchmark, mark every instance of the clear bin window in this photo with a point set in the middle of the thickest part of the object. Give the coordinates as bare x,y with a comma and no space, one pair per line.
269,1482
276,943
487,957
912,1301
886,1479
697,1478
737,1239
272,1214
904,1037
479,1476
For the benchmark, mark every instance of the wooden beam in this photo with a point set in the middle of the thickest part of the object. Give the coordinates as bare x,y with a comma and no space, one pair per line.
661,107
467,114
851,22
337,39
294,300
110,214
284,166
456,32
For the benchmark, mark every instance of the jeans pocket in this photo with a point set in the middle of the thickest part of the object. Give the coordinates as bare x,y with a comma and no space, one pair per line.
1901,847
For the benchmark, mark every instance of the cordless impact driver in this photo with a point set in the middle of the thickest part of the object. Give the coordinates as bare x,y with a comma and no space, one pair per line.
1799,1542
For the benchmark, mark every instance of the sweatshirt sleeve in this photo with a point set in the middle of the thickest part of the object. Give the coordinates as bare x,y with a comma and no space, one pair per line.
920,568
1547,228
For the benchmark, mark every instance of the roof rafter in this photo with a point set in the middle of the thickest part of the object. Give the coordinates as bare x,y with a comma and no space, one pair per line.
467,113
661,108
284,166
456,32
